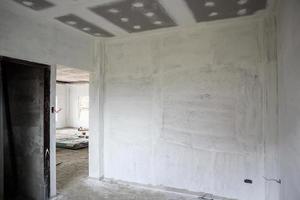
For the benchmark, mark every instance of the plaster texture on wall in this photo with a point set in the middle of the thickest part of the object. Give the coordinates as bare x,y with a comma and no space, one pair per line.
289,98
96,125
270,115
185,109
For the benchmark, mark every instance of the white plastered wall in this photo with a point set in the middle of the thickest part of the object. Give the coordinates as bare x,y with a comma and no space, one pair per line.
146,62
96,125
289,97
25,37
194,108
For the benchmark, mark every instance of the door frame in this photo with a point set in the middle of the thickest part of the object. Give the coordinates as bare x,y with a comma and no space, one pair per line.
96,123
52,131
1,138
47,121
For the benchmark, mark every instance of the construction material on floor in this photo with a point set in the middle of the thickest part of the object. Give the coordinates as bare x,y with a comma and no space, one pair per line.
72,138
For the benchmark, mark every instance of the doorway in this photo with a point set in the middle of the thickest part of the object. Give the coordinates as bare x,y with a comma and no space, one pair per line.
26,128
72,126
32,114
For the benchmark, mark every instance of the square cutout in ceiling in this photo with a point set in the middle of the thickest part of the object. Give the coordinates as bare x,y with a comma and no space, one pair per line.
83,25
135,15
36,4
208,10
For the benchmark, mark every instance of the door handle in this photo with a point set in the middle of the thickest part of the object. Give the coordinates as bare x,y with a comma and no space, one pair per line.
47,153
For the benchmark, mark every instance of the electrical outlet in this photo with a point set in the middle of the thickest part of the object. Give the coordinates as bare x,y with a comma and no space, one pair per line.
248,181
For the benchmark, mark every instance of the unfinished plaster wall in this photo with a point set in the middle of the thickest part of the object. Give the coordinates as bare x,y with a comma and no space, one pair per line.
185,109
289,97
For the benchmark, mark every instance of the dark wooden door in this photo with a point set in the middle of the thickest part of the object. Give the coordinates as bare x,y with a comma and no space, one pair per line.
26,94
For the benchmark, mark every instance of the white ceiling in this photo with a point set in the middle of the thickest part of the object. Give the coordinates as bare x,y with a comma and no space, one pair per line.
71,75
177,10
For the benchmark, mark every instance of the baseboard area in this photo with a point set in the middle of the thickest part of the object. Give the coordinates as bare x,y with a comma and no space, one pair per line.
200,195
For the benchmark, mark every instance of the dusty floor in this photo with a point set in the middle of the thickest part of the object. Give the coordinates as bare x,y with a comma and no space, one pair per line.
72,166
73,184
89,189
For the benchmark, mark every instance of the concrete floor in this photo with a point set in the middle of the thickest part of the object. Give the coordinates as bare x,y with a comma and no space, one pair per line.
73,183
72,167
91,189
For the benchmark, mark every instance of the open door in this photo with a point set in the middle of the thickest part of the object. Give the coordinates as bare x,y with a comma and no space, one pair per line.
1,139
26,136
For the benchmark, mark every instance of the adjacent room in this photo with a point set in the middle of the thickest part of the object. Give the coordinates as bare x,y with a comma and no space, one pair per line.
72,125
149,99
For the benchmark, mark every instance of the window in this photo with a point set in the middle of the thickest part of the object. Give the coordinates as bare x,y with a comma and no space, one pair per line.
83,108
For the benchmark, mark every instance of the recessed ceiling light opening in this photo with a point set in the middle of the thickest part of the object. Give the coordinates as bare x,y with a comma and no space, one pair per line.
242,2
71,22
113,10
149,14
86,29
138,5
158,22
242,11
137,27
213,14
124,19
209,4
27,3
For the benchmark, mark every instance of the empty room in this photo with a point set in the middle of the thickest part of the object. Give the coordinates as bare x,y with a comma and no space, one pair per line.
149,99
72,125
